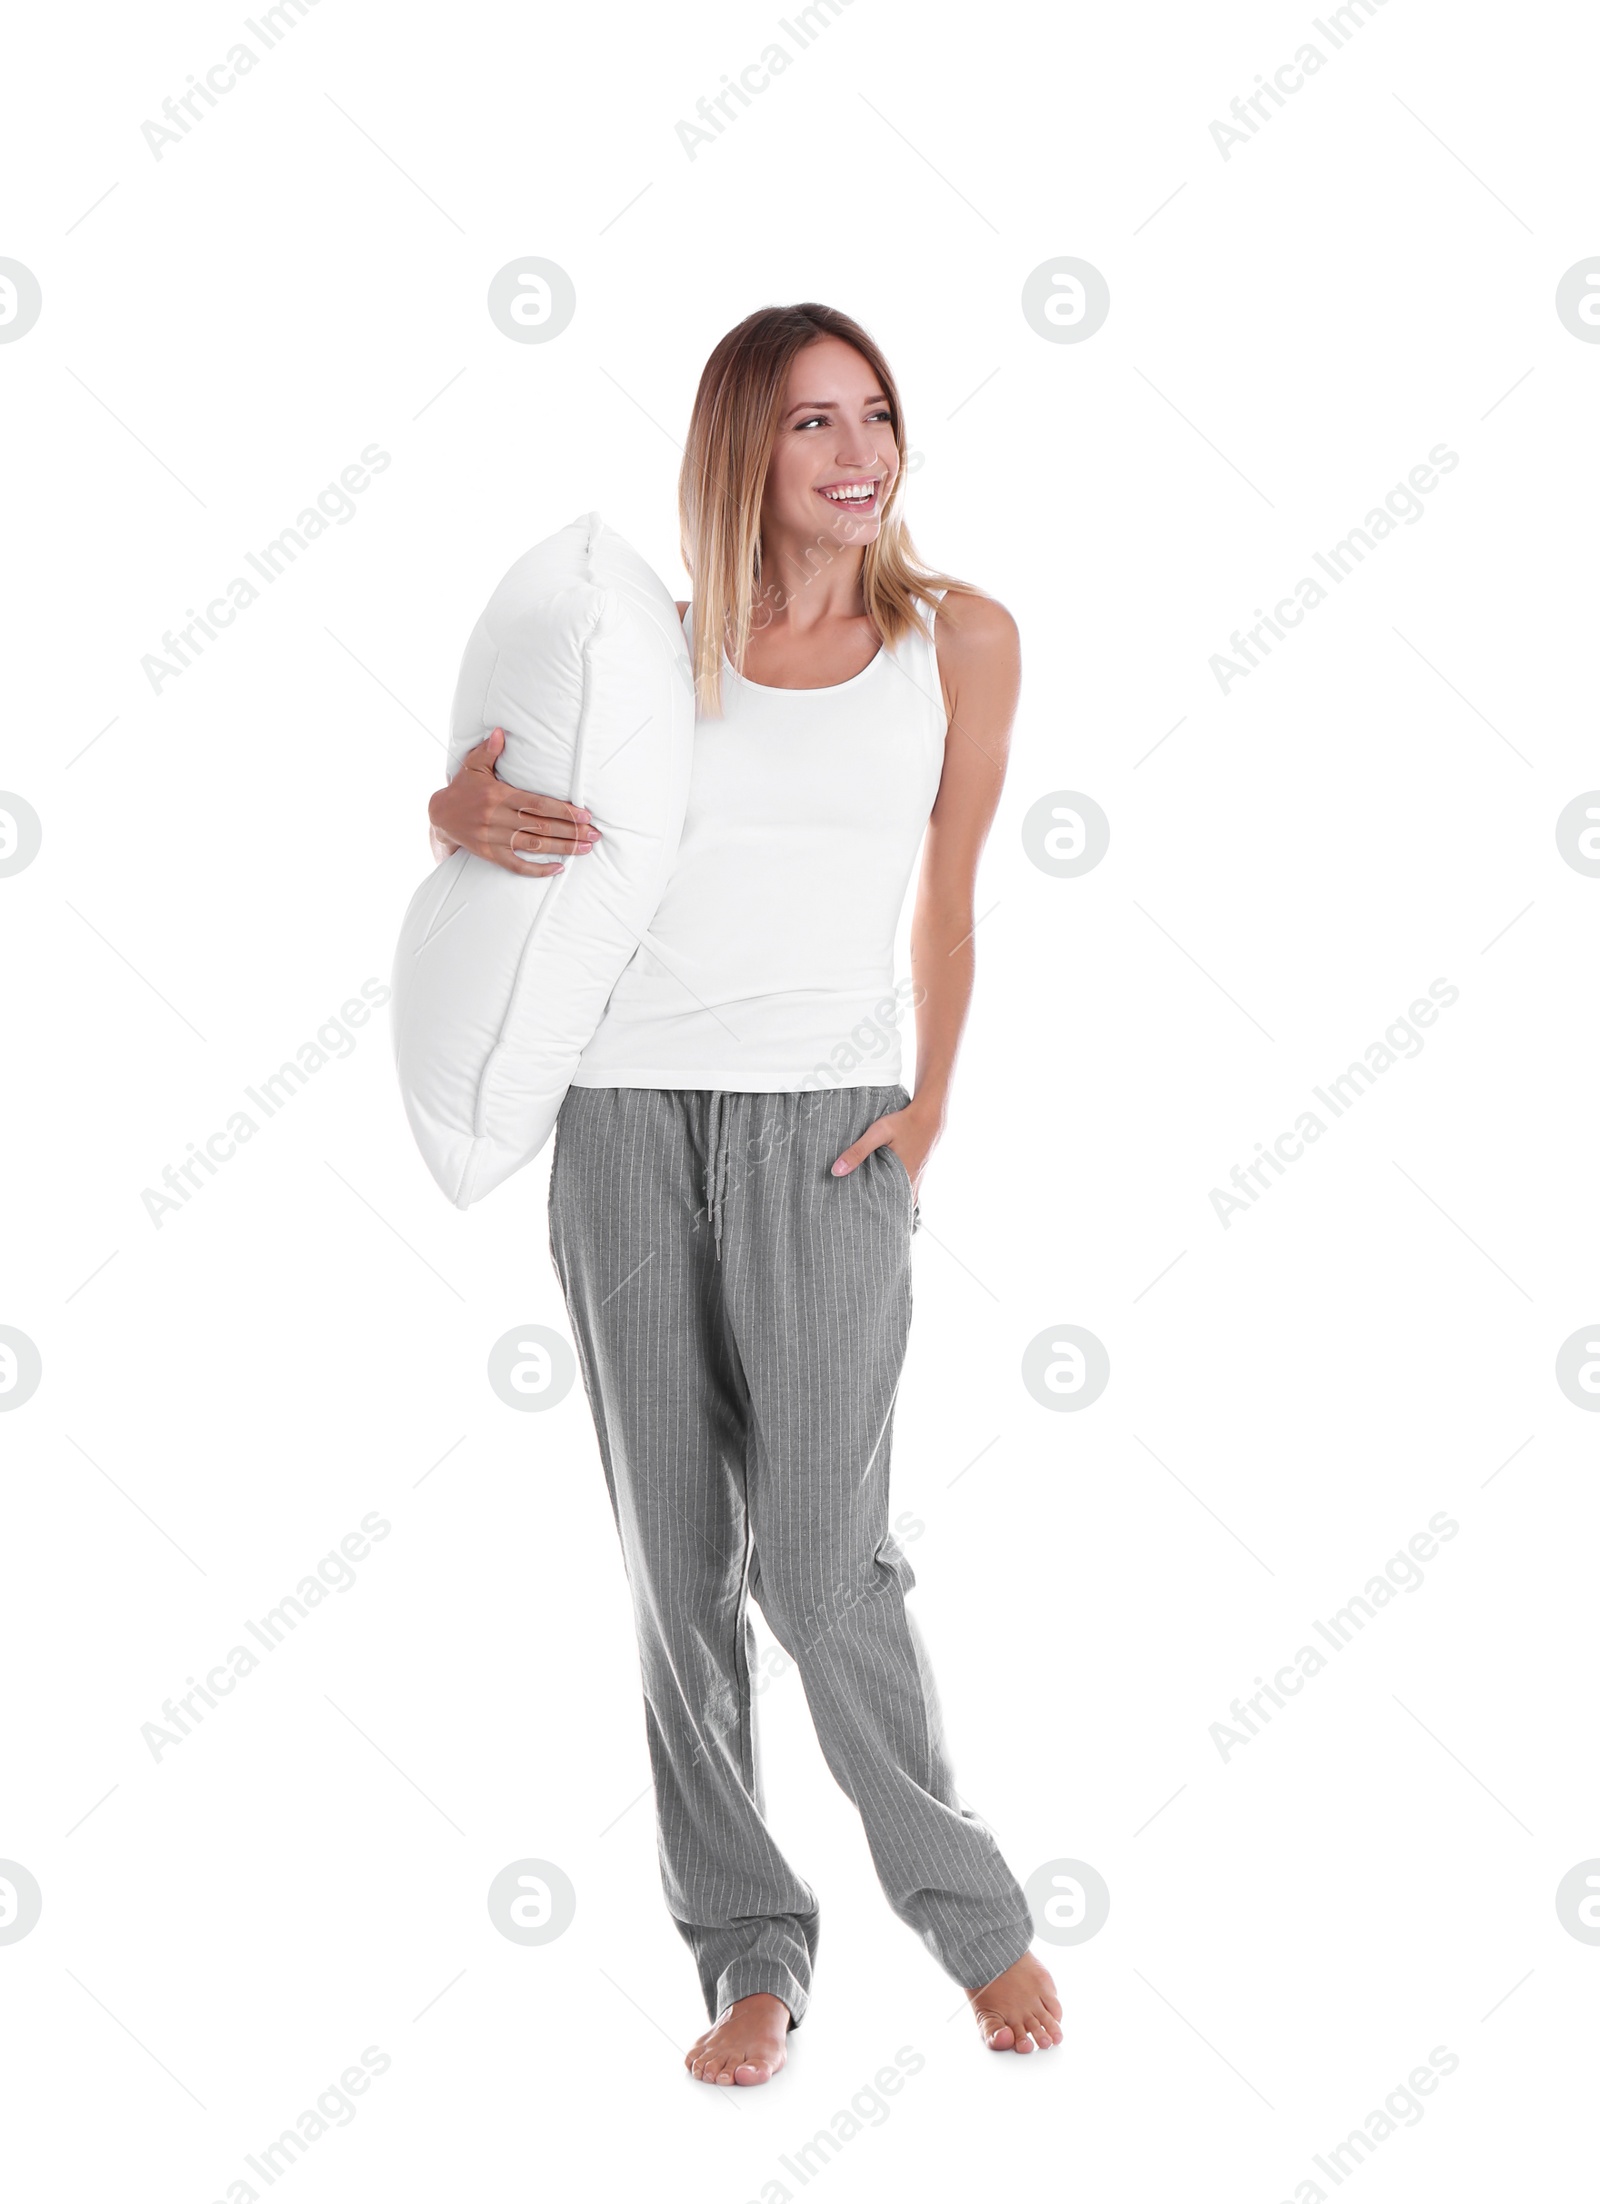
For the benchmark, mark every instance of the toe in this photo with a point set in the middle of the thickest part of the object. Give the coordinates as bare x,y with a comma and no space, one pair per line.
750,2071
999,2035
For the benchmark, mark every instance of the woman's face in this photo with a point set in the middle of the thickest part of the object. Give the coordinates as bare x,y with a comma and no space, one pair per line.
834,461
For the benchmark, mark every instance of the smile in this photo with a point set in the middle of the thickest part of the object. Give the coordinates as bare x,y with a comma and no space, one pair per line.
860,495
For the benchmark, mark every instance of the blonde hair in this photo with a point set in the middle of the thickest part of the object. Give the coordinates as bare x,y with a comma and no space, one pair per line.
738,409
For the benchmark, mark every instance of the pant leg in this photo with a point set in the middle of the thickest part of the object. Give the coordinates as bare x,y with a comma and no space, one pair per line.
818,1282
634,1250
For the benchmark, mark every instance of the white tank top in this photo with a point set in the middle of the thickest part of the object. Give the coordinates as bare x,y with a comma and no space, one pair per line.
769,964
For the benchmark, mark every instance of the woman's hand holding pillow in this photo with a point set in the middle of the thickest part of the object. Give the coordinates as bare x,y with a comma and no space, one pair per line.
508,826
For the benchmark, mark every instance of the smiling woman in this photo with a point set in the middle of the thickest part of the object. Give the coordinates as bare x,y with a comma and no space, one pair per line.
789,504
734,1189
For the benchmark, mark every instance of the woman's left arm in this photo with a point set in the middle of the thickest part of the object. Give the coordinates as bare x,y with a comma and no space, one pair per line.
980,666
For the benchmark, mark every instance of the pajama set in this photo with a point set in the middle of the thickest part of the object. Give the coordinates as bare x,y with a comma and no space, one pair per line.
741,1319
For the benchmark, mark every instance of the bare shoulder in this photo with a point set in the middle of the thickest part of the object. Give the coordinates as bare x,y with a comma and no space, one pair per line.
974,634
978,648
968,613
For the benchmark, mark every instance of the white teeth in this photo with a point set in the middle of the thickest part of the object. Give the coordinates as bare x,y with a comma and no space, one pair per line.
857,494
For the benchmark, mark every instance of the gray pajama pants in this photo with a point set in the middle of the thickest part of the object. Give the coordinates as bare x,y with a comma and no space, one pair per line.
741,1317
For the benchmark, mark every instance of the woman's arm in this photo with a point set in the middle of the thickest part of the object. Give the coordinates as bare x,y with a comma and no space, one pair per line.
480,812
980,664
980,669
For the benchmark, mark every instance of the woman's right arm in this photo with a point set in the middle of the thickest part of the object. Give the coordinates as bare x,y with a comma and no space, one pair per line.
479,812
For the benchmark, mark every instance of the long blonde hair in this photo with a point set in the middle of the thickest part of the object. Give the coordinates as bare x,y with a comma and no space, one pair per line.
738,409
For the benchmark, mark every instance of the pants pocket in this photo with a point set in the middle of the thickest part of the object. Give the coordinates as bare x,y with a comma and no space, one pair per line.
904,1176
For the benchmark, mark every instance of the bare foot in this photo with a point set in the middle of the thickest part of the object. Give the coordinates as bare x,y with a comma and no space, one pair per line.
748,2044
1019,2010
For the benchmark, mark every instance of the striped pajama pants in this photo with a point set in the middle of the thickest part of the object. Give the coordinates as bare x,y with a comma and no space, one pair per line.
740,1318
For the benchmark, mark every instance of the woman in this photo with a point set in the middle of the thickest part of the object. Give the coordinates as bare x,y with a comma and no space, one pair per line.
733,1190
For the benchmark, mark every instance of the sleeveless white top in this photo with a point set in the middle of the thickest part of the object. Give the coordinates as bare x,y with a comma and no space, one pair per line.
769,964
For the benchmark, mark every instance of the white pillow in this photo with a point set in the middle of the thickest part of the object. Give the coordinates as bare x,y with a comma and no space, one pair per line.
499,981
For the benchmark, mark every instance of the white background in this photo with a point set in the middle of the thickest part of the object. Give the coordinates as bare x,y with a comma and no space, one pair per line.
1292,1930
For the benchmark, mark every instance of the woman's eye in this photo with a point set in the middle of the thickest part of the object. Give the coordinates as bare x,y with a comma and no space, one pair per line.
812,420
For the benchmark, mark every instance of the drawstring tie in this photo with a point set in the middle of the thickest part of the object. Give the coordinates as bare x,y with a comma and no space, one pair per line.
716,1165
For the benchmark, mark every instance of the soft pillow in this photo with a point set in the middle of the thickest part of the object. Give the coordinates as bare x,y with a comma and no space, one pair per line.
500,981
